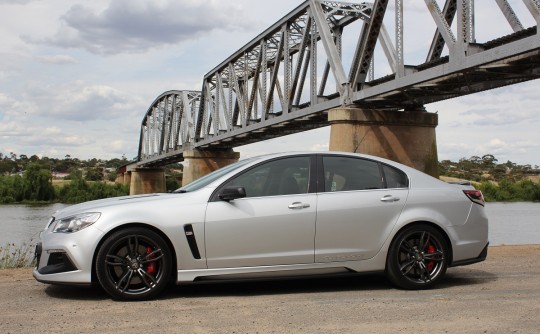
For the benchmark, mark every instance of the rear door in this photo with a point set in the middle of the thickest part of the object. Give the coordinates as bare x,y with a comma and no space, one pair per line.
357,207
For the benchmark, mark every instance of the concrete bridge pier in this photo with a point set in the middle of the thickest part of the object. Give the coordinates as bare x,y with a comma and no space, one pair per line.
124,178
147,181
198,163
407,137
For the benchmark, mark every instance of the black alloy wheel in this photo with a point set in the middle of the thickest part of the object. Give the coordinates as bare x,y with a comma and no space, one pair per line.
418,258
134,264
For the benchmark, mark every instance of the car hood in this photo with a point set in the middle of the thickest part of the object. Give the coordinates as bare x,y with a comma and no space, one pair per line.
98,205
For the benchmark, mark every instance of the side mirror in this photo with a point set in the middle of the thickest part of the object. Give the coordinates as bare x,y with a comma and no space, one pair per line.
230,193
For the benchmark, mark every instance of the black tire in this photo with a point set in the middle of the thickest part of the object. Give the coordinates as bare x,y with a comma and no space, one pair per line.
418,258
134,264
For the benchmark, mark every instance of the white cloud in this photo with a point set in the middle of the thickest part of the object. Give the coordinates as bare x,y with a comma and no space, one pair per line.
10,128
133,26
10,64
10,106
320,147
5,100
77,101
57,59
15,2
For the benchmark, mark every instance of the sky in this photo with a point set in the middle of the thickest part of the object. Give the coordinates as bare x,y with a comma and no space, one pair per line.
77,76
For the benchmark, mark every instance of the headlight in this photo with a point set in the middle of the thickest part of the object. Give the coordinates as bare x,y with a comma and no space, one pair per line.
76,223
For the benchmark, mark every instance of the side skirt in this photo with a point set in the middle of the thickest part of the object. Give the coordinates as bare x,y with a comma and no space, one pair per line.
376,264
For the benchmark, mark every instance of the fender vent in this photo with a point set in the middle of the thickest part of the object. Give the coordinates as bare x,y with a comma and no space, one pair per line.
192,242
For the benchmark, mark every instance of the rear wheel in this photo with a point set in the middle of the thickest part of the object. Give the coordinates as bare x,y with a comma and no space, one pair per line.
418,258
134,264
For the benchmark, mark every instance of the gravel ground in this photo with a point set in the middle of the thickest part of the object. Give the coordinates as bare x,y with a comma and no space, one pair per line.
500,295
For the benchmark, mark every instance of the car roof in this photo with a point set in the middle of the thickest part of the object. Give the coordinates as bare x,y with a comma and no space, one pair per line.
268,156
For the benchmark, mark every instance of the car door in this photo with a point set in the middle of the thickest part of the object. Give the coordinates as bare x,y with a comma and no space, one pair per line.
273,225
357,208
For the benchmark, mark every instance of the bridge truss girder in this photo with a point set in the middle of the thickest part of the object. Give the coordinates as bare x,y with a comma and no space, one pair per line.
168,126
286,79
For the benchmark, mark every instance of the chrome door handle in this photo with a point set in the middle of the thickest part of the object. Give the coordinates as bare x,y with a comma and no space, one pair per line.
298,205
389,198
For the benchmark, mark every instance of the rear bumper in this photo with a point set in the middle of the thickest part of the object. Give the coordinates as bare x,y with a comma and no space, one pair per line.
479,258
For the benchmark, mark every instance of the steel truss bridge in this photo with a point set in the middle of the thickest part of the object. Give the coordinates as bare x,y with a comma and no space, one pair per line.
287,78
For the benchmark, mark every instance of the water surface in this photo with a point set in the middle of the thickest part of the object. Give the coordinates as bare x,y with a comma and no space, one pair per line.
22,223
514,223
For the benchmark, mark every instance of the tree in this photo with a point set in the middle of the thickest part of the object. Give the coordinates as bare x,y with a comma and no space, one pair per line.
112,176
7,167
488,161
37,183
94,174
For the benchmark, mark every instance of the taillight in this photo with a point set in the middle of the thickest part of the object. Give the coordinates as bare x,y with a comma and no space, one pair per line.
475,196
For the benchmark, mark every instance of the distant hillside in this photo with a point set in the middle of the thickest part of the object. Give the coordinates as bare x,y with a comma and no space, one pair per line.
488,168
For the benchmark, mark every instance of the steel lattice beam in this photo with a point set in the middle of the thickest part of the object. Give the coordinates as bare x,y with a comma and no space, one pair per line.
287,78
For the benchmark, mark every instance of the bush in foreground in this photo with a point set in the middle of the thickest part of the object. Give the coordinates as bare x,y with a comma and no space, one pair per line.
13,256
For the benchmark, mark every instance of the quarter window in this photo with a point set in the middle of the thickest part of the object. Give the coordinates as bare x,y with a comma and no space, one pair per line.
395,178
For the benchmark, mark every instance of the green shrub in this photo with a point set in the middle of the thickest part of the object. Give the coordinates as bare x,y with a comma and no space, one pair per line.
511,191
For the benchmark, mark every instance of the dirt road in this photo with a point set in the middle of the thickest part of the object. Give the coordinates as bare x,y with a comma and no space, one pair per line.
500,295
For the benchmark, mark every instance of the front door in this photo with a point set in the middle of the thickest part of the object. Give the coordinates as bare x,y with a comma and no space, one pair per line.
273,225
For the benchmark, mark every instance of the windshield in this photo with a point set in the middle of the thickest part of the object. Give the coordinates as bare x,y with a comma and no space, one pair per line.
207,179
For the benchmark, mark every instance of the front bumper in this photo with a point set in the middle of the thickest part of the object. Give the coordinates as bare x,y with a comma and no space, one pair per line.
58,262
66,258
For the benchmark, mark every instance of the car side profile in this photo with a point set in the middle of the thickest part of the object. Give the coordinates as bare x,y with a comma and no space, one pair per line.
277,215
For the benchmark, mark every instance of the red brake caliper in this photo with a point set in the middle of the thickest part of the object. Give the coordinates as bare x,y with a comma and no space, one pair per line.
151,269
430,264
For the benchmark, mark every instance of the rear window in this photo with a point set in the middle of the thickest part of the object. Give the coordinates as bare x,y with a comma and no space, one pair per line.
346,174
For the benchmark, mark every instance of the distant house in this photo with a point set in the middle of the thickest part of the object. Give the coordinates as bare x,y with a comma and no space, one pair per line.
59,175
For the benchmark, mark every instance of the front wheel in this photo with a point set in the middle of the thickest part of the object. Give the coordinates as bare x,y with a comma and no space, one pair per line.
418,258
133,264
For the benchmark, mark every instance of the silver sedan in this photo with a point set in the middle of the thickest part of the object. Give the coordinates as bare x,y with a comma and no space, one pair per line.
277,215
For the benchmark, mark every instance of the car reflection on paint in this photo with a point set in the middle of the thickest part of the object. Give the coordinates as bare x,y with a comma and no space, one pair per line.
276,215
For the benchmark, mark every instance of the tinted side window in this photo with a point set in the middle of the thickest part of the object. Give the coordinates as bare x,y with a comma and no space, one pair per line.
345,174
395,178
279,177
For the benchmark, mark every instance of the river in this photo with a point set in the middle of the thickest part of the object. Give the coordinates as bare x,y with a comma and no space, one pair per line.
509,223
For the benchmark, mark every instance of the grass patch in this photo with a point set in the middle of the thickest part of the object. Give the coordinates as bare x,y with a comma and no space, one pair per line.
17,256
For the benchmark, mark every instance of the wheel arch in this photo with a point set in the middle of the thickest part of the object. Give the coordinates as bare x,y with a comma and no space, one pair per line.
424,223
141,225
